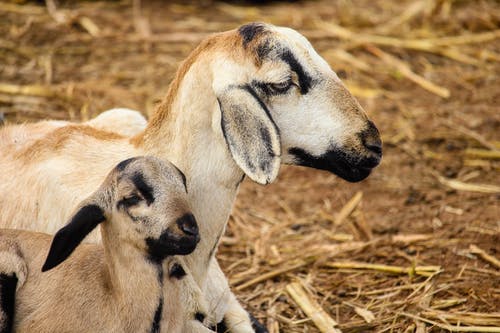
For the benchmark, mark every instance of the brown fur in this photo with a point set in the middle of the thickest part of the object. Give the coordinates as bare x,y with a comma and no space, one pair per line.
54,141
227,41
109,288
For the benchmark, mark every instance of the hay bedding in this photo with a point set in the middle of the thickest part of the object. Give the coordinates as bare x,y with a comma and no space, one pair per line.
414,248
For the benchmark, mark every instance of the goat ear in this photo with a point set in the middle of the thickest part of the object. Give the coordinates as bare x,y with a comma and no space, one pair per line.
70,236
250,133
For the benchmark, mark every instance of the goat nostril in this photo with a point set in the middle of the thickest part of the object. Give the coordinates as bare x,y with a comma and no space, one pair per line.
187,224
376,148
371,139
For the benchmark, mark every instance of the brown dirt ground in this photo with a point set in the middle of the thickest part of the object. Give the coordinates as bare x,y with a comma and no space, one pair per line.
288,228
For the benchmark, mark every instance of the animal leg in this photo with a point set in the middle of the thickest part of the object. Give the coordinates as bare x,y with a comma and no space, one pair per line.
13,273
223,304
8,284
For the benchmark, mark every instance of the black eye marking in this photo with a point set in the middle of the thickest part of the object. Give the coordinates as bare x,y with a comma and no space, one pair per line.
144,188
249,31
177,271
281,87
305,81
272,89
129,201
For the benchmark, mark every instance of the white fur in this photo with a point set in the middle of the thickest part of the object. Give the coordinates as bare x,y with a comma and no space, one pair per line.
123,121
191,137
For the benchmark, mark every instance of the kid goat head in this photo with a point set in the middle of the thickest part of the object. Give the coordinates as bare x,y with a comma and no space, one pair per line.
142,204
281,102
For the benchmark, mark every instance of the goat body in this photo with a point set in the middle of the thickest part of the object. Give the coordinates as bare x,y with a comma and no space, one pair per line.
133,282
84,295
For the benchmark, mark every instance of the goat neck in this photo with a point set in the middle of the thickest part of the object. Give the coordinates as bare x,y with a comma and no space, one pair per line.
127,270
186,130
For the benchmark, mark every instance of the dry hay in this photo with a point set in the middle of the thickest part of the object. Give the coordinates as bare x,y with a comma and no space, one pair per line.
412,249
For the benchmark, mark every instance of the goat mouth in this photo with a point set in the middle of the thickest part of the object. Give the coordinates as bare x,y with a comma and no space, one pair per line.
345,165
170,244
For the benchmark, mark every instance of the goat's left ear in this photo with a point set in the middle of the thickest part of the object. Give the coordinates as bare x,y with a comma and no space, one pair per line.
70,236
250,133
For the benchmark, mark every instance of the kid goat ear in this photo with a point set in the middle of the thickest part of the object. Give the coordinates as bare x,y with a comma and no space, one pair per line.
71,235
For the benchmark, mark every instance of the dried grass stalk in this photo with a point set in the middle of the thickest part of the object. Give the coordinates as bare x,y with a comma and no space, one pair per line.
348,208
451,328
412,10
447,303
366,314
428,44
417,270
405,70
489,258
90,26
468,187
21,9
312,309
30,90
472,134
271,274
483,154
464,318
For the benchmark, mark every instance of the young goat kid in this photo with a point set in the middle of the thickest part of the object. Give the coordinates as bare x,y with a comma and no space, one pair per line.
132,283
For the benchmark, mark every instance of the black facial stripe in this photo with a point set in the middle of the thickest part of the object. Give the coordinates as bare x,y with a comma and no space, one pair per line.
123,164
7,300
144,188
160,274
305,81
155,326
177,271
249,31
155,251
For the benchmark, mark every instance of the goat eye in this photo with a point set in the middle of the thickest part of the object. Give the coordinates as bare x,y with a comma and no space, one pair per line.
281,87
131,200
